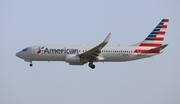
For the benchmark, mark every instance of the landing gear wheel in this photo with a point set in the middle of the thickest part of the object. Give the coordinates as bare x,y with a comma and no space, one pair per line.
91,65
30,65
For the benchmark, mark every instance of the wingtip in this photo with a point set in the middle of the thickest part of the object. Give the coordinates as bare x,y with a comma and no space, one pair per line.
107,38
109,34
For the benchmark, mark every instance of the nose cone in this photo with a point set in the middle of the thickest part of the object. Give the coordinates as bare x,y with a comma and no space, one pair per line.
18,55
21,55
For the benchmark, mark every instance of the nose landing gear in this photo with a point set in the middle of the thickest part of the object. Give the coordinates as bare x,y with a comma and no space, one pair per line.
91,65
31,64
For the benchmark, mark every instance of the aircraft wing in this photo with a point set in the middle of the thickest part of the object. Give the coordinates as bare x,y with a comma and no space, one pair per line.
94,53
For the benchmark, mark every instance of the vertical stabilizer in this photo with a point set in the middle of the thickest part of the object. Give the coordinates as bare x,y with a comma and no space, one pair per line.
156,37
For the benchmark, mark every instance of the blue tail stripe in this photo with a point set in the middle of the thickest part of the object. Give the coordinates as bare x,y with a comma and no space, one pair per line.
159,26
149,38
164,20
152,36
161,23
156,29
154,32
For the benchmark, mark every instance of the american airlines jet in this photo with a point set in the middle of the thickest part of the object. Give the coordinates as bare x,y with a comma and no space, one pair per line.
80,55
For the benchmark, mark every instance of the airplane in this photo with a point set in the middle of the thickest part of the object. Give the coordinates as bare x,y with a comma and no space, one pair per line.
80,55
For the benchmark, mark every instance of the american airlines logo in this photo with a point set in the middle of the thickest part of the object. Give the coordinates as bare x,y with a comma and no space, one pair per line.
40,49
43,50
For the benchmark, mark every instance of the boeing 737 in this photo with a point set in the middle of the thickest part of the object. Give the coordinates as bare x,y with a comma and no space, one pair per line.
80,55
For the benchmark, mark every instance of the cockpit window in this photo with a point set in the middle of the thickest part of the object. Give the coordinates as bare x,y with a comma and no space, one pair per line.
25,49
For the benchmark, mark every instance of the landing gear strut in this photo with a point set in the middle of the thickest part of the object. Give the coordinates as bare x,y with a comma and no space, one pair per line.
91,65
31,64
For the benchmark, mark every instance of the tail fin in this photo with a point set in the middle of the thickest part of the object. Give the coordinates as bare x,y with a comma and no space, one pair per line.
156,37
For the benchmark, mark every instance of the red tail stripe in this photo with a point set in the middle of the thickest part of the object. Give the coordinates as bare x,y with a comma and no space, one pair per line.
161,32
164,26
146,51
167,20
150,45
159,39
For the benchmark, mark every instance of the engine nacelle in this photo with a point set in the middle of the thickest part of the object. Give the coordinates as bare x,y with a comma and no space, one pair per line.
72,58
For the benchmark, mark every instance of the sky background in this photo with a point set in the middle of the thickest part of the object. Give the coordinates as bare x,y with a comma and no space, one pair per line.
26,23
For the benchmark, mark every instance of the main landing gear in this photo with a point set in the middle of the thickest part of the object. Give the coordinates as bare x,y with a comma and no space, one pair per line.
91,65
31,64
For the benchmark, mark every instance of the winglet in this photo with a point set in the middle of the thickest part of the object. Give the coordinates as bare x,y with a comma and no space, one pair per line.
96,50
107,38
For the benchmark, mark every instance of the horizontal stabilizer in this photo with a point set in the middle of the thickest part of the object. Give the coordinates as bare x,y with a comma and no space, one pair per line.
158,48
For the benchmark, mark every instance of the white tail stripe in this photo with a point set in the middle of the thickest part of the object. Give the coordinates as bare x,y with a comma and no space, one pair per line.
165,23
160,36
155,41
162,30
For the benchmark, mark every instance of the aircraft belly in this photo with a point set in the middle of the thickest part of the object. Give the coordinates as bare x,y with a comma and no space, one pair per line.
50,57
119,57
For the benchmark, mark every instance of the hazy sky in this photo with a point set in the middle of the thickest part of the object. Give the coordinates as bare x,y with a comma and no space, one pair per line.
26,23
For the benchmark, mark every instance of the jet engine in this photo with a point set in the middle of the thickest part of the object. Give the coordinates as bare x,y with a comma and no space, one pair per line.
72,58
